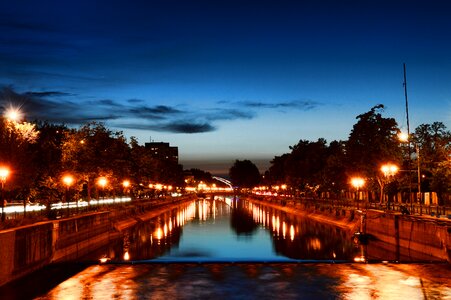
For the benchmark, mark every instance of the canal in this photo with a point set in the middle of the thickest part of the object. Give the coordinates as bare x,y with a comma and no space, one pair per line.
225,248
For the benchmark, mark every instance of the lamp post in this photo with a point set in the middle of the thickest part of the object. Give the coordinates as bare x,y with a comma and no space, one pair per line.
357,183
4,172
68,180
389,170
126,185
102,182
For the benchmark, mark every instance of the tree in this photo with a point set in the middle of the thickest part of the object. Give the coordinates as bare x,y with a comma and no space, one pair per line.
244,174
310,167
373,141
434,145
94,151
16,152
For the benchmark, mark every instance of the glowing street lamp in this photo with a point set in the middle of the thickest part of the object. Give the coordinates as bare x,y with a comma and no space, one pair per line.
102,182
357,183
13,114
389,170
126,185
68,180
403,137
4,172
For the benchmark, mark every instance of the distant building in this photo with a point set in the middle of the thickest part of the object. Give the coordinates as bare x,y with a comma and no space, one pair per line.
162,150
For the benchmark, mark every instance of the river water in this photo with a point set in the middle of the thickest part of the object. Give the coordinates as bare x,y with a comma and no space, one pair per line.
229,248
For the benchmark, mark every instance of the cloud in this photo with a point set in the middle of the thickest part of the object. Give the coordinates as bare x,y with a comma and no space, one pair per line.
62,107
175,127
133,101
155,110
304,105
229,114
48,94
186,127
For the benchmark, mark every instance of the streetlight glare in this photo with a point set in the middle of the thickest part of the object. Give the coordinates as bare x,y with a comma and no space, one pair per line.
4,172
357,182
403,137
126,183
68,180
389,169
13,114
102,181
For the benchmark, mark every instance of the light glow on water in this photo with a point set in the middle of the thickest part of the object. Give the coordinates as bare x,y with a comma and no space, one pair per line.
257,281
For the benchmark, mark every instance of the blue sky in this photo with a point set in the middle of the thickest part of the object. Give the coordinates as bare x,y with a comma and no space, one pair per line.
226,80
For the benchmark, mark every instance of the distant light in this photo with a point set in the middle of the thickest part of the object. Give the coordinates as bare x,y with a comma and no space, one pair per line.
104,260
126,183
126,256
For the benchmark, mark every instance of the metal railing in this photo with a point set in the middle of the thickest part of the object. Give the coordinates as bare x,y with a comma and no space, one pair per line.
319,203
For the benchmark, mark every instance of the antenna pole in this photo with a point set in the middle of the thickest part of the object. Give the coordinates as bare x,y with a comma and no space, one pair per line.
409,162
407,104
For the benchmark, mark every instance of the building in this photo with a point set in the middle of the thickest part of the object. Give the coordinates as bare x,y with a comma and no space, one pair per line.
161,150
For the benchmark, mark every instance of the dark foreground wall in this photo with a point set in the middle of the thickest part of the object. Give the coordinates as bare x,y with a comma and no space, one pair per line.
25,249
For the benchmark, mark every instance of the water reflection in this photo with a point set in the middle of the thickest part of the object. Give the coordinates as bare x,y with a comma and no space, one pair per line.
257,281
230,229
298,237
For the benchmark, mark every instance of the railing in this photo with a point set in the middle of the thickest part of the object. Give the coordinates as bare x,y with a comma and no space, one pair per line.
19,217
319,203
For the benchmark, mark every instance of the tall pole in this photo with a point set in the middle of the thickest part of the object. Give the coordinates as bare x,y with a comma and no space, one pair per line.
419,174
3,201
408,139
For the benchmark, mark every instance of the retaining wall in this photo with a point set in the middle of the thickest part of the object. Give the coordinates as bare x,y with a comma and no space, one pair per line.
26,249
410,237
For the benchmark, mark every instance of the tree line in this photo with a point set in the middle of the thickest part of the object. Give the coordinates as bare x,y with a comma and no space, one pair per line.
314,167
39,154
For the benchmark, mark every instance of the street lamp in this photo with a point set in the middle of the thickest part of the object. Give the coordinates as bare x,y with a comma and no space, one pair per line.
68,180
4,172
389,170
102,182
357,183
13,114
126,185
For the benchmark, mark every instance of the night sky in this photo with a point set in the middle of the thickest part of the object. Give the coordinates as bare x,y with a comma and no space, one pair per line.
226,80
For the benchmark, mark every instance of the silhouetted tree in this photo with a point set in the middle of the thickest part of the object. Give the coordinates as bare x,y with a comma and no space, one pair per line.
373,141
434,144
244,174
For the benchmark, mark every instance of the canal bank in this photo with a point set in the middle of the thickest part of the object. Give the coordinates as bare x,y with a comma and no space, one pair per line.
26,249
392,236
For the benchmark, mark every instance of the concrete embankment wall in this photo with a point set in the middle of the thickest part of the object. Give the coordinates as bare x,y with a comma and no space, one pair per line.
410,237
26,249
393,236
